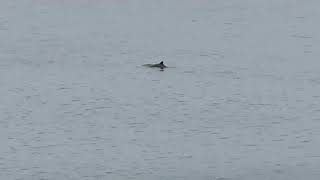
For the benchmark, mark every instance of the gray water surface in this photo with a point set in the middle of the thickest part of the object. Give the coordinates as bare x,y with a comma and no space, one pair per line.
241,103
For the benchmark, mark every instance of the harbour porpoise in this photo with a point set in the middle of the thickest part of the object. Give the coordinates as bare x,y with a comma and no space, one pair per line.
159,65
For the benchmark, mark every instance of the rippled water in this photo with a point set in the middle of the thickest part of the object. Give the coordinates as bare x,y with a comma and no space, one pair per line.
240,101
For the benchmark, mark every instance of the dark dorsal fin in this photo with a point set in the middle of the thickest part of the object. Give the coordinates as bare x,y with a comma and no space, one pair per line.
161,63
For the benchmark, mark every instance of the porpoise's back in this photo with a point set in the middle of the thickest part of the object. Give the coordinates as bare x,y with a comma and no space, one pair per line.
159,65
